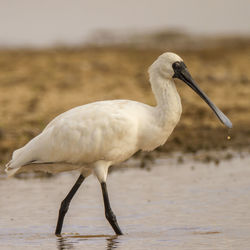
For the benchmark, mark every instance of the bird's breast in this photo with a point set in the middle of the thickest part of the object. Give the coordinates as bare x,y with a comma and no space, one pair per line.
157,130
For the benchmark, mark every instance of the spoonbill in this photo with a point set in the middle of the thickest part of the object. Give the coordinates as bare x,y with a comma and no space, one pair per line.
92,137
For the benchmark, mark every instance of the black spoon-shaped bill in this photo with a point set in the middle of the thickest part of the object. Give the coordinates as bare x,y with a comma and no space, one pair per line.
182,73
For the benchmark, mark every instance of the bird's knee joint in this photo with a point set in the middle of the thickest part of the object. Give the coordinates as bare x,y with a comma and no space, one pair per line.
64,206
110,216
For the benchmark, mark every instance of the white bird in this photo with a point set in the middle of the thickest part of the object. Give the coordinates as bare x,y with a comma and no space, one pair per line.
92,137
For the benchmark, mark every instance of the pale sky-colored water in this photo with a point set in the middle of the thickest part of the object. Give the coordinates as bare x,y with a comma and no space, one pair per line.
173,206
47,22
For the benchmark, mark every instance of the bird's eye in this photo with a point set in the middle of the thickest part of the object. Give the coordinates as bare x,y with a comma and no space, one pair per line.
176,65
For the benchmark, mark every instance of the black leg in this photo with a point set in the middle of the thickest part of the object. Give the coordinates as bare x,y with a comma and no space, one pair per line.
108,211
65,204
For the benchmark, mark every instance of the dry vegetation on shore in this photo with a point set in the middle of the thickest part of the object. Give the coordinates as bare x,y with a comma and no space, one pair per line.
37,85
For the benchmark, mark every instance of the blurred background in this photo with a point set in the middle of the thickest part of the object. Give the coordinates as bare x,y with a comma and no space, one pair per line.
47,23
58,54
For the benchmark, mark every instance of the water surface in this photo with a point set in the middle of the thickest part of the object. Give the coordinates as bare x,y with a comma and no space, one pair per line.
173,206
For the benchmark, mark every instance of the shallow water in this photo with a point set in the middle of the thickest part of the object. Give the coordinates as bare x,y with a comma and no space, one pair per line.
173,206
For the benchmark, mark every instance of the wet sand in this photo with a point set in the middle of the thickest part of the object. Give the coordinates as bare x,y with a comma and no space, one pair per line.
190,205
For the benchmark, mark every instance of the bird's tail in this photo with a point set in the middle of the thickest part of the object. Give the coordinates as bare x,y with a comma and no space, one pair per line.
20,157
10,171
24,156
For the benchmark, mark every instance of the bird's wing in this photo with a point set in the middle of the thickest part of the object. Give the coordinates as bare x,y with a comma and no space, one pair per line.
96,131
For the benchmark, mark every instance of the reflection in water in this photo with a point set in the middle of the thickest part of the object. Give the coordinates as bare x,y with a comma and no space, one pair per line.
112,242
63,243
67,243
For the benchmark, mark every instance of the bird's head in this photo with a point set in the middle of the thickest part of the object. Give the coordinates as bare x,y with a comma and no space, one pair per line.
170,66
163,66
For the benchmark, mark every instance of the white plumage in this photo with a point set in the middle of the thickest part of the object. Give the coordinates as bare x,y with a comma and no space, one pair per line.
104,133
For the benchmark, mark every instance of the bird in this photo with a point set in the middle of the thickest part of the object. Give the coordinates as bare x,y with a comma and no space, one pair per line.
92,137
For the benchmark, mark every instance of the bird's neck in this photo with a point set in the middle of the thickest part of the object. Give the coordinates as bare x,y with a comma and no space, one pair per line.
168,109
